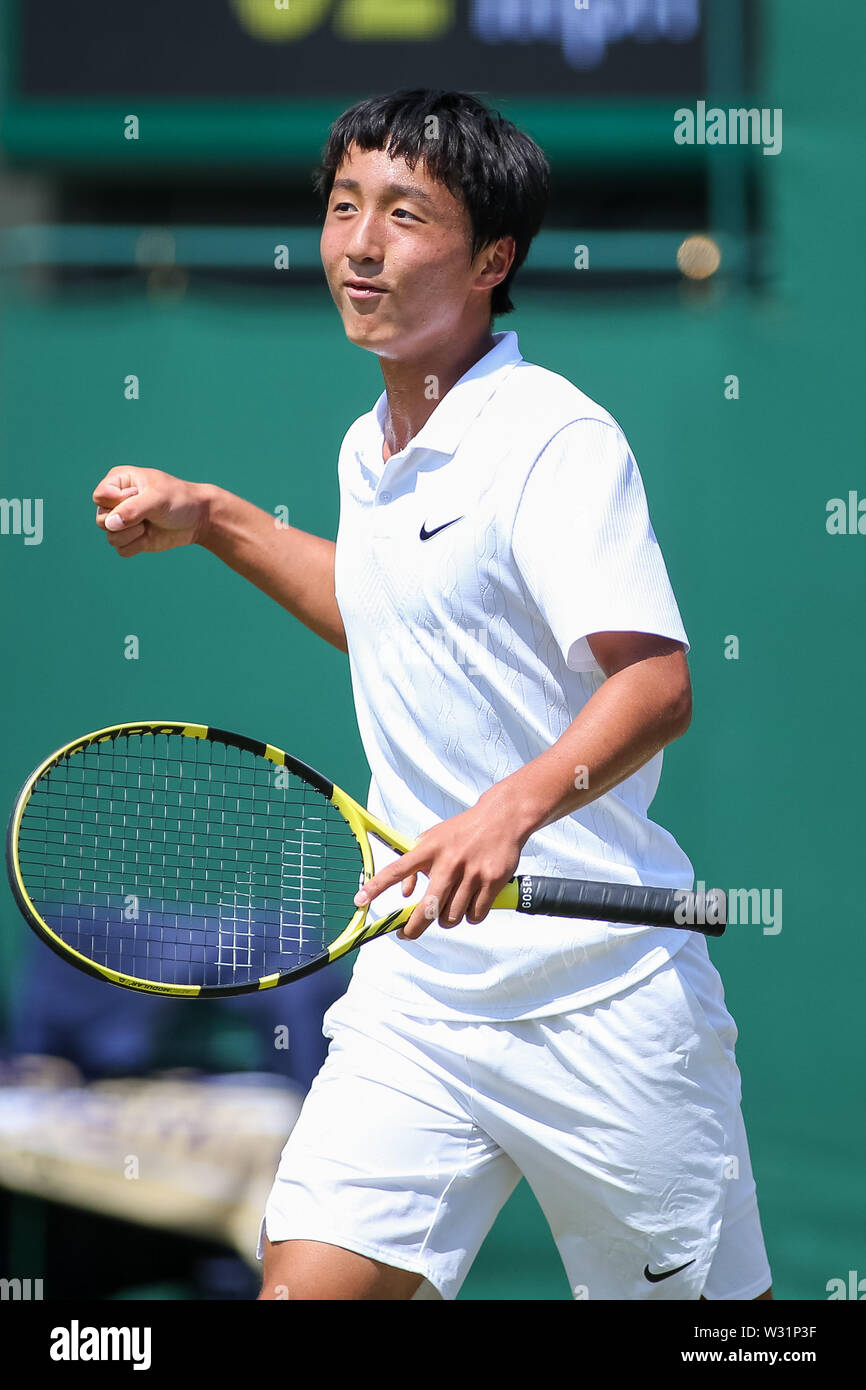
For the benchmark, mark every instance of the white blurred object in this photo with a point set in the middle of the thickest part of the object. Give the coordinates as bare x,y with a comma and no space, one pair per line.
194,1154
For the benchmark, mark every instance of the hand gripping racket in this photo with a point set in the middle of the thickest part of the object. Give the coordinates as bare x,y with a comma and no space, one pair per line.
184,860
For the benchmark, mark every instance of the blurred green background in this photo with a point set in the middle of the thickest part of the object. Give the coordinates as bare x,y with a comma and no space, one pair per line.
254,391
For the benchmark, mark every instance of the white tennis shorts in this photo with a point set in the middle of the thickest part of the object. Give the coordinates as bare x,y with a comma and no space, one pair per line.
624,1118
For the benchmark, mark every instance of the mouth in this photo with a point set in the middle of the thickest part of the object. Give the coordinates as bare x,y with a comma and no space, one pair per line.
362,289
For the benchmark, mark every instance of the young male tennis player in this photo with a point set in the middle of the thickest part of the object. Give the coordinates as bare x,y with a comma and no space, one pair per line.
518,664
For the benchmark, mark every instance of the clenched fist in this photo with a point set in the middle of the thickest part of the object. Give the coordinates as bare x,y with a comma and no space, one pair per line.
145,510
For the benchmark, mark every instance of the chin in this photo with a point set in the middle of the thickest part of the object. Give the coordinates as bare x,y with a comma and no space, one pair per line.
363,334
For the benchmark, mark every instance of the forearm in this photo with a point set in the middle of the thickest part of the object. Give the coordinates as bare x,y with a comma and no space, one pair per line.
629,719
293,567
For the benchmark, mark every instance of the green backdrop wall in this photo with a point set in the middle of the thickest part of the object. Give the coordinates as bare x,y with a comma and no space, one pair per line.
254,392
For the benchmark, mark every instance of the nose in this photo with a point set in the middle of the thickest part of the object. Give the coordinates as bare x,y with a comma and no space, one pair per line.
366,241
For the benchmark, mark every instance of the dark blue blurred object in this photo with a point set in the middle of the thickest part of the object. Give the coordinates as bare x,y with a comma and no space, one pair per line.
186,943
107,1031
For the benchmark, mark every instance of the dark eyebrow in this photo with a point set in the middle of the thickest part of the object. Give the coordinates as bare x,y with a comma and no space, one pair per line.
396,190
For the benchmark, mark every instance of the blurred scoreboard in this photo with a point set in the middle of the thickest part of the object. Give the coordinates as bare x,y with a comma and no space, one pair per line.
288,48
233,81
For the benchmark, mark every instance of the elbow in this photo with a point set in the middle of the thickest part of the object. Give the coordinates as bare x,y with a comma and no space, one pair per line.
680,711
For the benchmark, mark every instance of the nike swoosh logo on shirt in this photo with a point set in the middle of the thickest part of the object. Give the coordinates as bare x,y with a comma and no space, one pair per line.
657,1278
425,534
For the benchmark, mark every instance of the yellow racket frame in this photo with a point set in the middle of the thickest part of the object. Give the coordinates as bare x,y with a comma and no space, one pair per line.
360,821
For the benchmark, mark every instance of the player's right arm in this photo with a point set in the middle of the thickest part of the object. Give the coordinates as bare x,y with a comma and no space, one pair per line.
143,510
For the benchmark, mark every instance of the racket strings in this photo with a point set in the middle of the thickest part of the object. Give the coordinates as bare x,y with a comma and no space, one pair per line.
185,861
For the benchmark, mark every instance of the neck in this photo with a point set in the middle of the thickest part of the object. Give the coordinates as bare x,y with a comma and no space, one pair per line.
416,386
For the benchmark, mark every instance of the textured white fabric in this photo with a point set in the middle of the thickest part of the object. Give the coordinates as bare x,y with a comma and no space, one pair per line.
624,1117
469,658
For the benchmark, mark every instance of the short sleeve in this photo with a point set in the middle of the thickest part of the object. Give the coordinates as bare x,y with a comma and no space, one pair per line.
584,545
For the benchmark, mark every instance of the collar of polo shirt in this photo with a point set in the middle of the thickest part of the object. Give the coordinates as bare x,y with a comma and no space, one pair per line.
458,408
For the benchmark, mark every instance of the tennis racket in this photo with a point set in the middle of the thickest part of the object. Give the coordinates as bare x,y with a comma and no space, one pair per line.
185,860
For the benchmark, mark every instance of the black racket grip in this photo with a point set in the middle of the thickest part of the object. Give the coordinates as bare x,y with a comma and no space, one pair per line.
628,903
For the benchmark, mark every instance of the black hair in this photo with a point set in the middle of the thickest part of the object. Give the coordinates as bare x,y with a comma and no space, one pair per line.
500,174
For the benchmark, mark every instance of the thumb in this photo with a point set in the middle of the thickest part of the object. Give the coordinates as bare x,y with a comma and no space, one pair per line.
128,512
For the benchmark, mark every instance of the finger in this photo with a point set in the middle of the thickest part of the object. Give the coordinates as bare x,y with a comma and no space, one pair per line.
112,486
453,891
130,511
432,906
121,494
106,494
107,505
481,904
406,865
453,912
128,537
409,885
135,548
424,915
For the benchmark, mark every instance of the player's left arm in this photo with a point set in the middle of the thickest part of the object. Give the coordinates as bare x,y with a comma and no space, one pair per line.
644,703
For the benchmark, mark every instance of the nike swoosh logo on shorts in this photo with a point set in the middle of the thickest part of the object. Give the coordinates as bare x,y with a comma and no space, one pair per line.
657,1278
425,534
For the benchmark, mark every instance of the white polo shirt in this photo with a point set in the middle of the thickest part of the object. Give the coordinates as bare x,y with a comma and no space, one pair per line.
470,569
